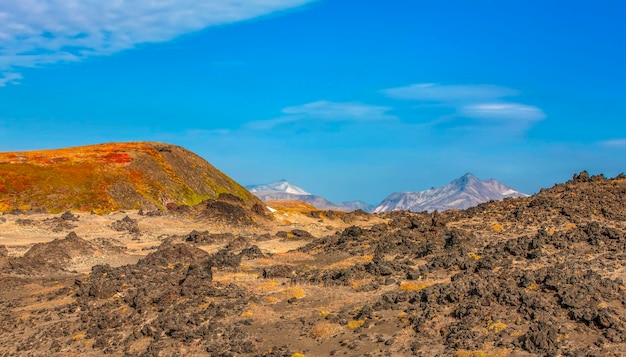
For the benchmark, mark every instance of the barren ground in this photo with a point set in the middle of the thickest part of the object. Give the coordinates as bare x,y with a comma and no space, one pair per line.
541,276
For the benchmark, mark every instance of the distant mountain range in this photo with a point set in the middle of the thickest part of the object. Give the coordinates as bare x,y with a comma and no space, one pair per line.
283,190
464,192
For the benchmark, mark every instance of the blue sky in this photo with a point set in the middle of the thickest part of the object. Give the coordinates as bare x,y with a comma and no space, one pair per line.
348,99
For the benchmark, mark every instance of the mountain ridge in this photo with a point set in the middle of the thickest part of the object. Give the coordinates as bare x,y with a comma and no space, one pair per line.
282,190
278,186
463,192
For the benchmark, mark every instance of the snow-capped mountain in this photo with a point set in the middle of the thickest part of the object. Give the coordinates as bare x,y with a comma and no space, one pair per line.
283,191
464,192
277,186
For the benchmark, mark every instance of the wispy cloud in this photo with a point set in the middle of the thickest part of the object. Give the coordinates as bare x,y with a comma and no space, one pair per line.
449,93
497,111
38,32
614,143
9,78
326,111
340,111
481,102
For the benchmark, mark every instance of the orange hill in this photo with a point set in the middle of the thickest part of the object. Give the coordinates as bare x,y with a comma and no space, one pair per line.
109,177
290,206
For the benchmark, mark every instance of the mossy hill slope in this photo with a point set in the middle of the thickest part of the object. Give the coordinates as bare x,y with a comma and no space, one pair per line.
109,177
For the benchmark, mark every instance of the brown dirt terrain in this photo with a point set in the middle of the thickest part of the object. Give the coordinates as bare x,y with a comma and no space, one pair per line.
538,276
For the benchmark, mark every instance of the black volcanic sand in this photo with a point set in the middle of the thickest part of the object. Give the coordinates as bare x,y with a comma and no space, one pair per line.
546,281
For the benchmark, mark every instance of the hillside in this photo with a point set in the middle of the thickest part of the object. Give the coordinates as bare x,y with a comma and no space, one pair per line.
109,177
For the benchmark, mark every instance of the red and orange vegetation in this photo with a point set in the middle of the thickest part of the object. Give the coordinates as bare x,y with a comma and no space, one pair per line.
291,206
108,177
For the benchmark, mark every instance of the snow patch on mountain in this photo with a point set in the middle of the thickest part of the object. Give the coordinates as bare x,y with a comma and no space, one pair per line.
285,191
278,186
464,192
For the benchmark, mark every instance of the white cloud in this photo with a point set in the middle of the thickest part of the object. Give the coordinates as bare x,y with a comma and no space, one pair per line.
271,123
9,78
499,111
614,143
326,112
449,93
340,111
479,102
39,32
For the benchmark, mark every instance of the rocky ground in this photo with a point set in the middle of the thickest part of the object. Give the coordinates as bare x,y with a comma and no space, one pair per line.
538,276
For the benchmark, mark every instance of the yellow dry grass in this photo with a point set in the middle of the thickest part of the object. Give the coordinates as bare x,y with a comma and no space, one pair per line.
324,313
351,261
284,258
498,352
260,312
496,327
78,336
405,337
353,325
325,330
266,287
466,353
290,206
416,285
230,277
292,292
497,227
292,257
46,304
474,256
247,314
358,283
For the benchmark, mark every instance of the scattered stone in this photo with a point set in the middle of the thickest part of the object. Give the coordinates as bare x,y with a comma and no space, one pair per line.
126,224
68,216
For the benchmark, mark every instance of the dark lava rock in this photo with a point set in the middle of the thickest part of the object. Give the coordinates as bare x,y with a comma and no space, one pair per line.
278,271
169,253
252,252
59,252
238,244
68,216
102,288
227,212
296,234
165,305
198,274
24,222
199,237
583,176
126,224
541,338
225,258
